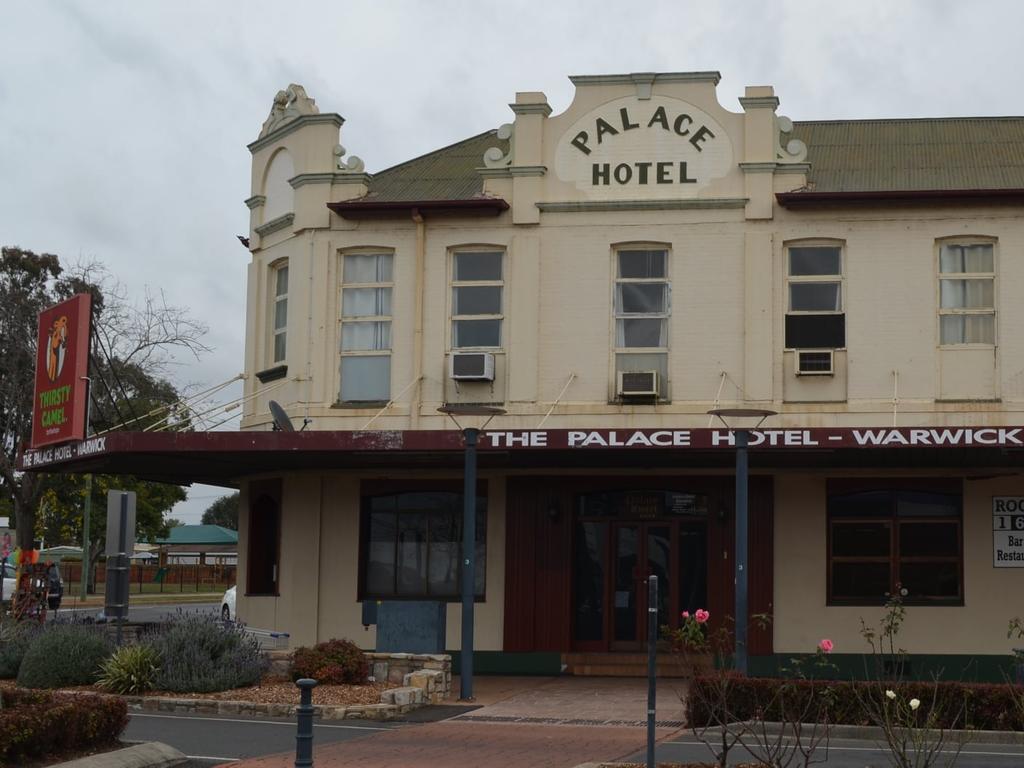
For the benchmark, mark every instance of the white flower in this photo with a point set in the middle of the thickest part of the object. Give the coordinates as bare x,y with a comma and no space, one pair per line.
890,695
915,703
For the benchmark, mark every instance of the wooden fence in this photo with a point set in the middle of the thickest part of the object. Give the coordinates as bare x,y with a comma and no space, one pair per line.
156,578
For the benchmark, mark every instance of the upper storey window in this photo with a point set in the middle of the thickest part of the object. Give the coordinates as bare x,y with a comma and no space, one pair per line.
814,285
642,305
967,312
366,327
280,312
477,287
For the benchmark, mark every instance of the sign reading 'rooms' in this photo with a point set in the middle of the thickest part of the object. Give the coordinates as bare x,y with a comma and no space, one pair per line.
1008,531
632,148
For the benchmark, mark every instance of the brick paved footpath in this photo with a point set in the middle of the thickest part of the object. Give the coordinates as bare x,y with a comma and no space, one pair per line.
474,744
578,711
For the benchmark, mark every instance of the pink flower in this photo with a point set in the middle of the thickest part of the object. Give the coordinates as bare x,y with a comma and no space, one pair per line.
701,616
686,614
825,646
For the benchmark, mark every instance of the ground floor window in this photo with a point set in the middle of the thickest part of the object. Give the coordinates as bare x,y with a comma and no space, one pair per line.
411,545
895,540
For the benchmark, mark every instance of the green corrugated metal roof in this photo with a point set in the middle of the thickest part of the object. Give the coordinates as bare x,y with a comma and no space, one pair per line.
200,534
958,153
911,155
446,174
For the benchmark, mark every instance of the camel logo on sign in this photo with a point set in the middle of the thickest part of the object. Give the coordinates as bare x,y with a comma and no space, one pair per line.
635,149
57,347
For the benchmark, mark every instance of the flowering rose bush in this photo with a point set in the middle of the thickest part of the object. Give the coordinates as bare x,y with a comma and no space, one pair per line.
692,632
825,646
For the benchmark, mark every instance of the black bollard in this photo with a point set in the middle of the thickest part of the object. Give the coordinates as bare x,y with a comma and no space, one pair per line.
304,718
652,663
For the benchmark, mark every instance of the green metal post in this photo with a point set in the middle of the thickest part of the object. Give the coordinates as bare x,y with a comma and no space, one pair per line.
85,536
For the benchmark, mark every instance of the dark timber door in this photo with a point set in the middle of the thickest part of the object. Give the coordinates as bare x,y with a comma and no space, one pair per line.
639,550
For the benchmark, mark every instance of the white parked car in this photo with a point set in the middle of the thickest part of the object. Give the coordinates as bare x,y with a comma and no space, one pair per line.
10,583
227,605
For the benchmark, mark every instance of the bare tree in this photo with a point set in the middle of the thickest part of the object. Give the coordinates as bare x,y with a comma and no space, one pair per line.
135,342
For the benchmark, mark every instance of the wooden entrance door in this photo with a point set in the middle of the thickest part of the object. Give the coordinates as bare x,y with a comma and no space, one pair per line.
639,550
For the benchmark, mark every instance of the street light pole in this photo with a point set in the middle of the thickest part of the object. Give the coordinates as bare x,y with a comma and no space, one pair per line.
470,436
742,440
470,439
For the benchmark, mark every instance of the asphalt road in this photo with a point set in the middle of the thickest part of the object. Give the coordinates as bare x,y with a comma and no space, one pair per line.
212,740
843,753
140,612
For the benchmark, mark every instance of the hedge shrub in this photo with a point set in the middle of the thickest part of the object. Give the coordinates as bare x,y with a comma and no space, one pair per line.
35,724
985,706
199,653
332,663
15,638
64,654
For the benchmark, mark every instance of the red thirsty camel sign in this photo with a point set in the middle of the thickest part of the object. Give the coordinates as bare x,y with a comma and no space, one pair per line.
62,363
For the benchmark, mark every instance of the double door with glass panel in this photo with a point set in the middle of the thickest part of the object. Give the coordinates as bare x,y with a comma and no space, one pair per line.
613,561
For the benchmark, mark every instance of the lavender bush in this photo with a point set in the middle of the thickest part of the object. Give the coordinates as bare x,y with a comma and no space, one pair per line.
63,654
200,654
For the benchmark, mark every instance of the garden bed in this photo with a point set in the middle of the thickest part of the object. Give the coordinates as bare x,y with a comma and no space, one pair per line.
971,706
270,691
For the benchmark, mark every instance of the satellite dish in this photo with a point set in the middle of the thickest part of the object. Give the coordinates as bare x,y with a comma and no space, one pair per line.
281,421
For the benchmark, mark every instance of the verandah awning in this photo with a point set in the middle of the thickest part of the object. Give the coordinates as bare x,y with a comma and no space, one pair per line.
224,458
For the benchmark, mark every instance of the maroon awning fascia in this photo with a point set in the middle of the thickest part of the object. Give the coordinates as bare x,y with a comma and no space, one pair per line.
223,458
797,200
368,209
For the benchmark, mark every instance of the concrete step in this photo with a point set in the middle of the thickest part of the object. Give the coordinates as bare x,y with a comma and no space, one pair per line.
623,665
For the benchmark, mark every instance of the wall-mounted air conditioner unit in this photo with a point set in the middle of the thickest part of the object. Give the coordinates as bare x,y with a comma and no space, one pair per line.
814,362
638,384
472,366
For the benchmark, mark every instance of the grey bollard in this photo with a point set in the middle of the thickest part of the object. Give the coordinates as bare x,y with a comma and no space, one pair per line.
304,717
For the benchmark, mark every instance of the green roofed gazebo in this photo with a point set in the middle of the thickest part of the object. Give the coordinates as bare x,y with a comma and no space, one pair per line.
199,541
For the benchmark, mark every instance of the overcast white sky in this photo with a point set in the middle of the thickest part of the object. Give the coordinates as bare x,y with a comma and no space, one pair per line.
123,125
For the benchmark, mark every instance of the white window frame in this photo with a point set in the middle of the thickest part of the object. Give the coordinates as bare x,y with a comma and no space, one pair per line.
453,284
275,300
839,278
344,319
665,316
976,311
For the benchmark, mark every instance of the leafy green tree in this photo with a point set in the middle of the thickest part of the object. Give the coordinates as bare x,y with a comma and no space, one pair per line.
27,281
223,512
132,345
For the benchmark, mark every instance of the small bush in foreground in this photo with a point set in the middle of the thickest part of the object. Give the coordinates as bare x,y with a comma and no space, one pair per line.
331,663
971,705
15,638
64,654
200,654
34,724
132,669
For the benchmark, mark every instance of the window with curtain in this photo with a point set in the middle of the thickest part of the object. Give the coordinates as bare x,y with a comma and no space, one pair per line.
885,542
411,545
366,327
642,306
477,288
815,317
967,278
280,312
